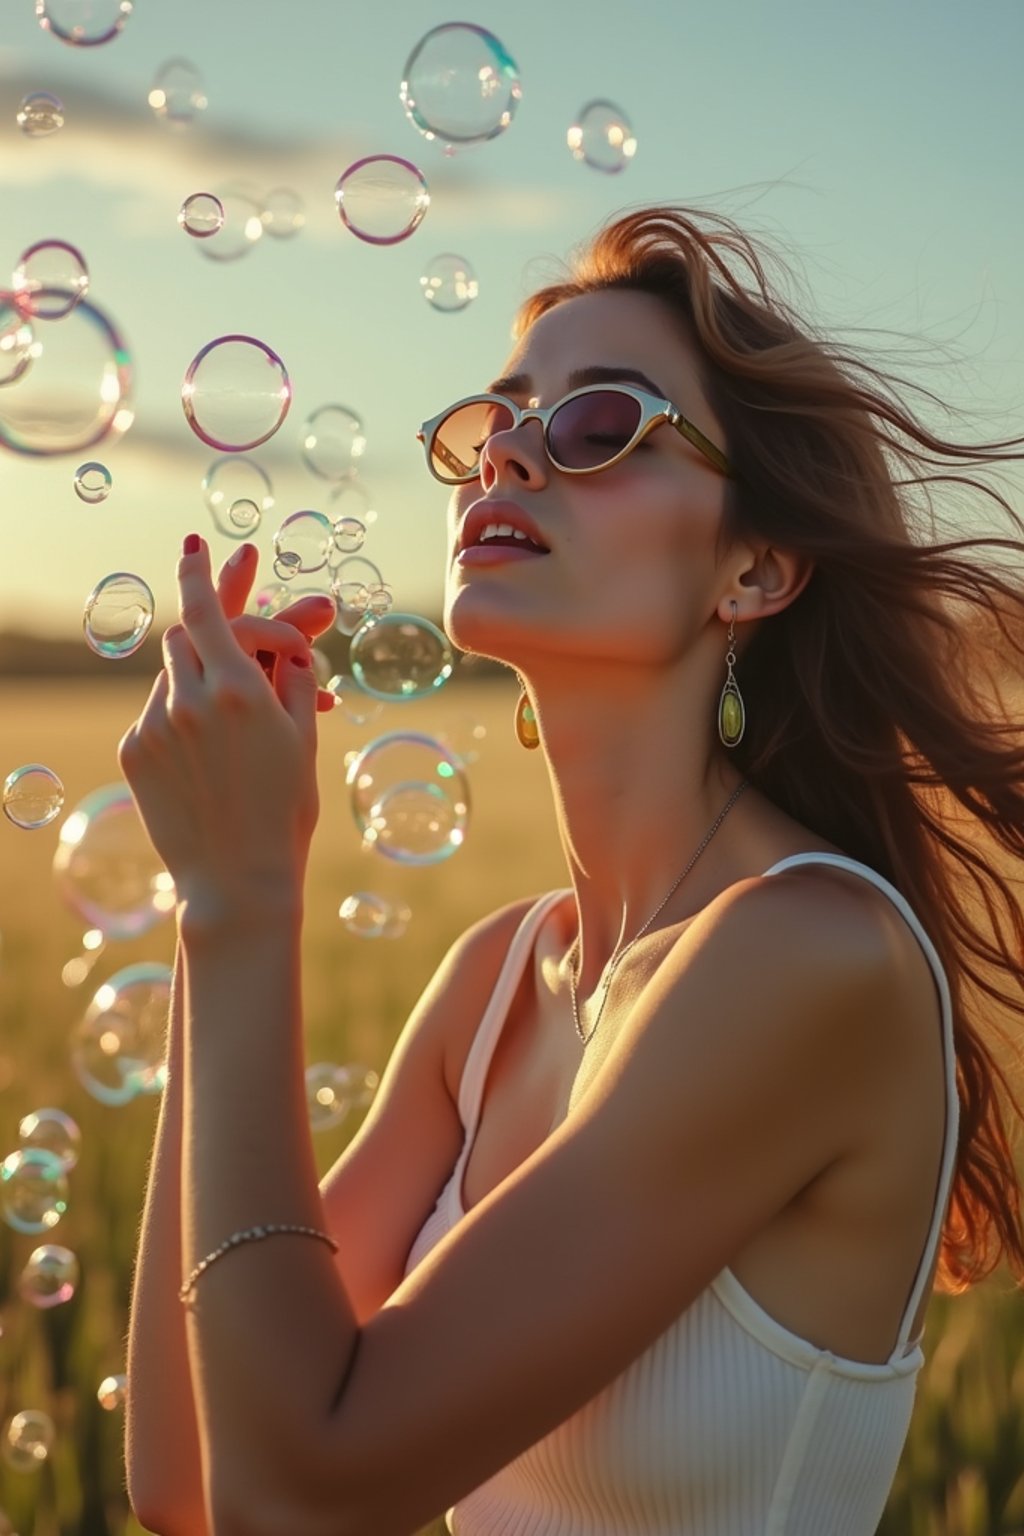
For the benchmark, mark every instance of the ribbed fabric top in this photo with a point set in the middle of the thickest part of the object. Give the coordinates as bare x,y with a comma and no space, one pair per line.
728,1424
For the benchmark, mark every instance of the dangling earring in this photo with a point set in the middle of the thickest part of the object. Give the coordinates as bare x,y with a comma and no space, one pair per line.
732,717
527,733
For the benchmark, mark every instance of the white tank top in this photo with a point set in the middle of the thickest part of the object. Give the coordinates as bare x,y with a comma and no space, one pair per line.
728,1424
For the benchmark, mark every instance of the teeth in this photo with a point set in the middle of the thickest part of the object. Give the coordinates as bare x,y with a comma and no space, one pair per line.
502,530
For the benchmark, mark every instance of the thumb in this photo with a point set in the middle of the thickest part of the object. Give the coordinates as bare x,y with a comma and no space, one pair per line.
297,690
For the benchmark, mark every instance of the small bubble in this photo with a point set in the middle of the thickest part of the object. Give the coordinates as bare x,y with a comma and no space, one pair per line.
40,114
201,215
449,283
92,482
178,95
602,136
32,797
382,199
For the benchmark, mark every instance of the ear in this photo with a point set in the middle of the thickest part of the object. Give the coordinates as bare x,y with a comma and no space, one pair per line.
771,579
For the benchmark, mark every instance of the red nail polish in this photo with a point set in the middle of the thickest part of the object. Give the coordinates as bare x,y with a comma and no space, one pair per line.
301,661
192,543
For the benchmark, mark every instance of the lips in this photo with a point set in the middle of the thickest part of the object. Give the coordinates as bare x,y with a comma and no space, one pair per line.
486,511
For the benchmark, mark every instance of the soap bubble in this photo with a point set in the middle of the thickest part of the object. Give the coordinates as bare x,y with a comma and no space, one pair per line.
449,283
283,214
351,581
364,914
242,225
177,95
28,1441
54,1131
382,199
201,215
382,599
92,482
77,392
602,136
347,534
106,868
83,23
400,656
50,1276
32,796
333,440
236,393
17,340
50,279
351,497
118,615
33,1190
357,706
333,1092
112,1392
118,1051
238,492
460,85
302,541
40,114
410,798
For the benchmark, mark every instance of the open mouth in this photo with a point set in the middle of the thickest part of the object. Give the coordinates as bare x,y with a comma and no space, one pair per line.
503,535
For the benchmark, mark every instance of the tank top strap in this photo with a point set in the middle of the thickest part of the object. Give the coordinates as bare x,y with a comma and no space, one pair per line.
478,1057
952,1117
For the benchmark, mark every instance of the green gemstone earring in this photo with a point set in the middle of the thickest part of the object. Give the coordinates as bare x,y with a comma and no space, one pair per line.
732,717
527,733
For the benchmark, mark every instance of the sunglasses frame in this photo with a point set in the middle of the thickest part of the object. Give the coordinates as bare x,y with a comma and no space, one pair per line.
653,411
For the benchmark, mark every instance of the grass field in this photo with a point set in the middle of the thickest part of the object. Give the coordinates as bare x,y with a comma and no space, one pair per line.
962,1473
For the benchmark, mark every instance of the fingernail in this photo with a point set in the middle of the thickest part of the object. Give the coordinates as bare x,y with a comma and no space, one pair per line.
301,661
239,555
192,543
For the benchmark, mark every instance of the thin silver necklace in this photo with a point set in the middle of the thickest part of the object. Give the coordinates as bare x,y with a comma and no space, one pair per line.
620,954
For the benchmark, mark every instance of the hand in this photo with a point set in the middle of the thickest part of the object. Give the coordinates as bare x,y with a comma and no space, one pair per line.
222,760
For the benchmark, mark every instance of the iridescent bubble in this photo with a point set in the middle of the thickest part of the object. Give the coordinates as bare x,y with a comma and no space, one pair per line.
28,1441
364,914
460,85
78,391
118,615
55,1132
32,796
333,441
357,707
83,23
50,1276
241,227
236,393
92,482
283,213
409,798
302,541
118,1051
17,340
50,279
112,1392
602,136
33,1190
286,566
333,1092
400,656
347,534
238,492
449,283
381,598
178,95
201,215
106,868
40,114
382,199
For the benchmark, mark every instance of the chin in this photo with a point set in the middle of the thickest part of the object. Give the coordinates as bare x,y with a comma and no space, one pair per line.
473,626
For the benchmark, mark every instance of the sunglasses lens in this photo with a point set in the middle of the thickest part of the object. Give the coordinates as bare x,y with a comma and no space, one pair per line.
588,431
455,450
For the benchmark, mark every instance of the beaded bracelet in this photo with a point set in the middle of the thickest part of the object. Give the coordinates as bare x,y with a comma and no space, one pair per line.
251,1234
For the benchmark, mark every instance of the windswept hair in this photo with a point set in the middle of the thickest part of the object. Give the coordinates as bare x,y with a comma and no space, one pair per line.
878,702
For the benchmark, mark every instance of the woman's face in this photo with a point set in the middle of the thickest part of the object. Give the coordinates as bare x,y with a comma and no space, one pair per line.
631,558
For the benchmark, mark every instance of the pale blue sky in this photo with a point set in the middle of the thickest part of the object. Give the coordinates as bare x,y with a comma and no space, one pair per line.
891,129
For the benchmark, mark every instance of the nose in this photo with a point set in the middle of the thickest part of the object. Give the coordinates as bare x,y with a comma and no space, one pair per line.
516,454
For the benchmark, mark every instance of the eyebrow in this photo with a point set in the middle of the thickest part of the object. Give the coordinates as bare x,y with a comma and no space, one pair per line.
521,383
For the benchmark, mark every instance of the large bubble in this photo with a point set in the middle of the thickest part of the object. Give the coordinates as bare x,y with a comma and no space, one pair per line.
400,656
118,1051
106,868
410,798
382,199
236,393
83,23
77,391
118,615
460,85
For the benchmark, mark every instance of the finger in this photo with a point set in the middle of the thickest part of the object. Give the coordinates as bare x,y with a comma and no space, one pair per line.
201,613
314,614
235,579
154,714
267,638
325,701
182,666
297,690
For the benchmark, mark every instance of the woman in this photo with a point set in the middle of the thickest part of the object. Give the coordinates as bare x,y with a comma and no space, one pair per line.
685,1155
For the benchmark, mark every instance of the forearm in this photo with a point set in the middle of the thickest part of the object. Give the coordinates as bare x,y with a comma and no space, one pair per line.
271,1331
162,1459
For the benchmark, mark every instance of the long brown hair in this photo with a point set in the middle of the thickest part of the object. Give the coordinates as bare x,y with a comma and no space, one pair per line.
876,715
